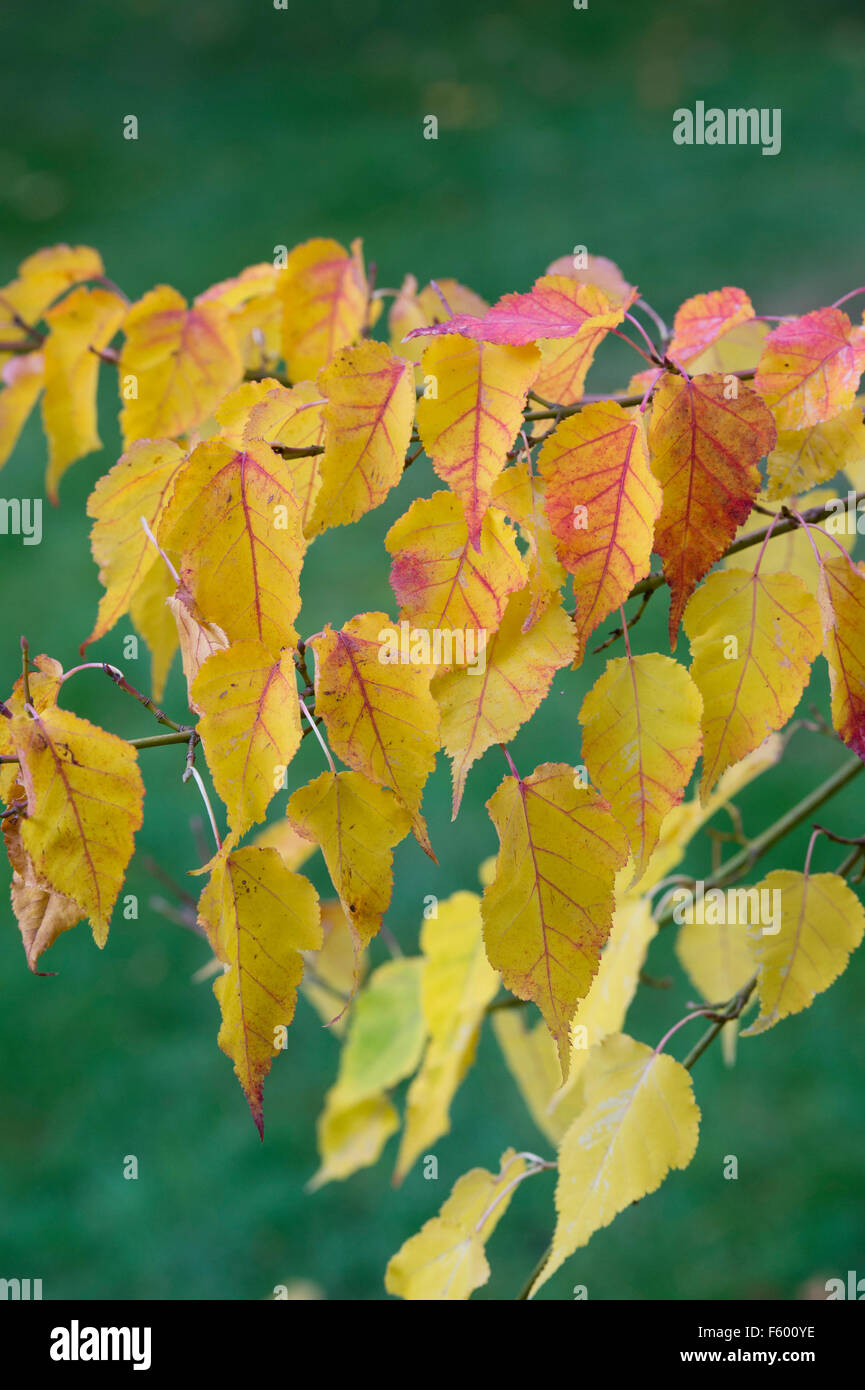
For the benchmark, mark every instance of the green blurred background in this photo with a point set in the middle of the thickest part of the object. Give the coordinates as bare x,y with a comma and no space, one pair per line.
260,127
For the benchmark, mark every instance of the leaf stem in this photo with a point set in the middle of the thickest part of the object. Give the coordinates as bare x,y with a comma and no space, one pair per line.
315,729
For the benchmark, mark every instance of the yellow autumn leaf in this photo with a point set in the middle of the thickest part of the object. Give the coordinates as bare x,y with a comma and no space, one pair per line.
487,702
356,823
532,1059
457,985
249,726
470,413
324,298
176,364
253,311
548,912
84,805
293,417
522,498
683,822
439,580
233,412
718,960
446,1260
640,1121
842,610
641,741
23,378
259,917
367,428
80,326
41,279
41,912
45,678
530,1053
378,711
234,522
810,368
138,486
351,1137
753,638
803,458
822,923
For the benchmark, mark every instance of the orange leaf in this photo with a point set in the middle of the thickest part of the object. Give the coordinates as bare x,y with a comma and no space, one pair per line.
706,437
602,502
705,318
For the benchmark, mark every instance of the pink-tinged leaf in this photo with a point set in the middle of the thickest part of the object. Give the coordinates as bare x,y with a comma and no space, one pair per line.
555,307
704,318
599,271
566,361
810,368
